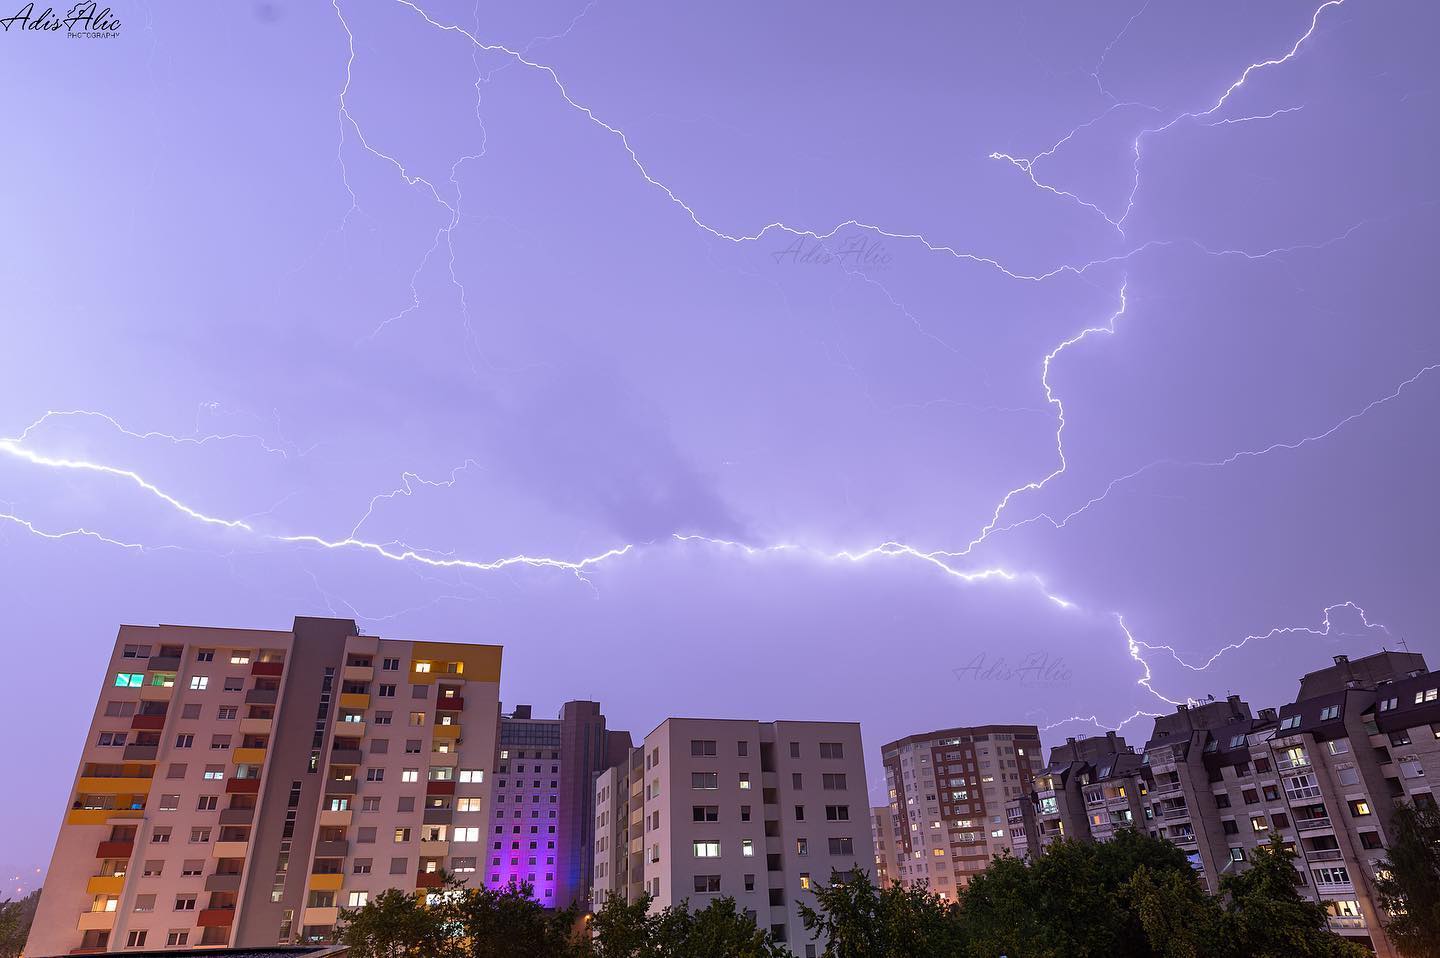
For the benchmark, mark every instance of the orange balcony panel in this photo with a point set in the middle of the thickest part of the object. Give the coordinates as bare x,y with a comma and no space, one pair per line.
269,669
242,786
100,816
105,885
330,882
446,731
215,917
120,850
354,700
248,756
149,723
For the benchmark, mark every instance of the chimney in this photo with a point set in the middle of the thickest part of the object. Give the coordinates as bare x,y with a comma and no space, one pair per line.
1342,659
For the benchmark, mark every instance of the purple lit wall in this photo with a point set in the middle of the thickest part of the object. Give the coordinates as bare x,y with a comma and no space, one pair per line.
922,365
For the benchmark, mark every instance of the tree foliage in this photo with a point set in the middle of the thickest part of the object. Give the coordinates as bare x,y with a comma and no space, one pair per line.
15,919
1409,882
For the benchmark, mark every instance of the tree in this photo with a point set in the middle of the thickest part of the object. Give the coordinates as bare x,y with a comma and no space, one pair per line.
396,924
622,929
509,923
1179,920
15,919
1266,917
1409,881
719,930
859,920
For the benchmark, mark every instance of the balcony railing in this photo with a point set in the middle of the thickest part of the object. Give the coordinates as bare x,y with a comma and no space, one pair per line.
1310,824
1163,787
1323,855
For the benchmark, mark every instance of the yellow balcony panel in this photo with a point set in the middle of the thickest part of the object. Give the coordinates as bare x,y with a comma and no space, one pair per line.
94,785
156,693
326,882
96,921
433,849
332,817
354,700
321,916
256,726
473,663
230,849
349,729
247,756
99,816
446,731
105,885
445,759
359,673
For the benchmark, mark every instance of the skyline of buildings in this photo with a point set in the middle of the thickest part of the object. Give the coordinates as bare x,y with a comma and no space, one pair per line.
242,786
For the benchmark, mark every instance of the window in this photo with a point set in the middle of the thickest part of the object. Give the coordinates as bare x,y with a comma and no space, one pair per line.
177,936
802,847
184,740
742,749
366,835
1388,704
361,866
1329,712
374,775
1229,827
833,782
422,667
417,718
1359,808
705,813
387,691
199,836
469,805
205,655
832,750
135,939
112,738
390,665
699,746
1288,723
198,683
119,709
169,803
383,718
707,884
410,775
370,803
837,813
799,813
214,773
219,742
136,652
358,899
380,746
842,846
190,711
402,835
466,834
474,775
185,903
412,746
744,813
1335,875
1237,854
1258,823
420,691
399,866
153,869
234,683
144,902
1429,695
160,836
130,680
744,779
747,848
794,749
706,849
705,780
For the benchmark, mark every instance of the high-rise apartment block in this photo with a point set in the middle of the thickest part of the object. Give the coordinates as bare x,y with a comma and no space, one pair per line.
544,789
1322,772
1088,789
948,791
761,812
239,787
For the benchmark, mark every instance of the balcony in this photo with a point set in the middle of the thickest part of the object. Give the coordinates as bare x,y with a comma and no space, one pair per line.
148,723
229,849
1310,824
334,848
164,663
256,726
105,885
98,785
156,693
242,786
223,882
247,756
101,816
237,816
1182,839
349,729
434,848
455,703
438,816
261,697
1177,811
141,753
96,921
445,731
1323,855
120,850
445,759
439,788
342,786
345,756
268,669
354,700
320,916
327,882
215,918
1347,922
358,673
427,880
1163,787
335,817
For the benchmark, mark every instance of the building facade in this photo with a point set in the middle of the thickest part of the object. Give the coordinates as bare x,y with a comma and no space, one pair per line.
239,787
544,795
1088,789
885,835
948,792
761,812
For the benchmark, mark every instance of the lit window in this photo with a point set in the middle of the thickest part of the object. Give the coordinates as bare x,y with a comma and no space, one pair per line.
747,848
410,775
422,667
199,683
475,775
358,899
129,680
239,658
706,849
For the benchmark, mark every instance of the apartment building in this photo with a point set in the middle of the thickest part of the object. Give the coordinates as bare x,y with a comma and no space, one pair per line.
948,792
762,812
544,799
885,834
1090,788
237,787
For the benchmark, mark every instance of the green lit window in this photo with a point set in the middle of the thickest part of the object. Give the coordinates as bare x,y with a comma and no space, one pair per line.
129,680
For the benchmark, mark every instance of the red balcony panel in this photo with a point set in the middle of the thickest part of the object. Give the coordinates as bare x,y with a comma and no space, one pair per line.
149,723
427,880
453,704
242,786
120,850
439,788
215,917
273,669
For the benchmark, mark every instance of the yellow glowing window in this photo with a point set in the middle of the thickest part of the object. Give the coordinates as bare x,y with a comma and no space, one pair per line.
422,666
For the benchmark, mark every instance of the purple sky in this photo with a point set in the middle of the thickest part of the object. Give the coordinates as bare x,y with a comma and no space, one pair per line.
542,297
